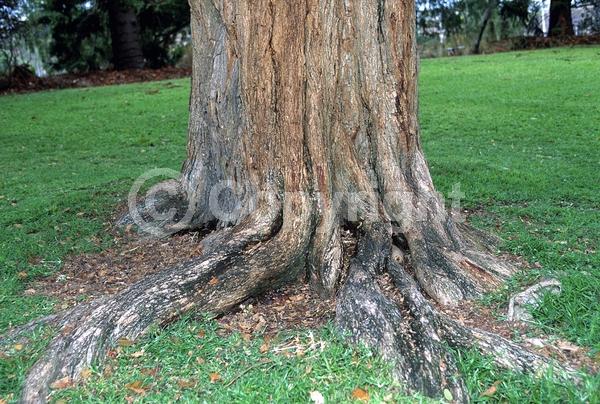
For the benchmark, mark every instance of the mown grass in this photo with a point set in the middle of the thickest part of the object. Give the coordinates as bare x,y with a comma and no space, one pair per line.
519,131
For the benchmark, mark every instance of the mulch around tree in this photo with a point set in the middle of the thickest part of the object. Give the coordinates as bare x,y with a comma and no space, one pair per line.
23,81
296,306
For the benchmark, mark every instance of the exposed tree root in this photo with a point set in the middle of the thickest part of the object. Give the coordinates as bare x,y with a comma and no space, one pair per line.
398,321
380,304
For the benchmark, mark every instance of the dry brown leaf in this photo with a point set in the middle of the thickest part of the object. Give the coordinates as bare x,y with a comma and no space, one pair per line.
213,281
264,348
360,394
136,387
85,373
108,371
214,377
22,275
246,336
124,342
18,347
567,346
62,383
3,401
185,384
201,334
491,390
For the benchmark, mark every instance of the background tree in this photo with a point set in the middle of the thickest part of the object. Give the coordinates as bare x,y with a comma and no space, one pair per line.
560,21
124,35
82,30
303,125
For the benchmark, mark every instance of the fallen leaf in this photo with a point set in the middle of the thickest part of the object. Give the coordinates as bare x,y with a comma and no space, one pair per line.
136,387
22,275
185,384
214,377
199,360
213,281
317,397
108,371
360,394
567,346
18,347
491,390
123,341
85,373
264,347
3,401
201,334
62,383
246,336
448,395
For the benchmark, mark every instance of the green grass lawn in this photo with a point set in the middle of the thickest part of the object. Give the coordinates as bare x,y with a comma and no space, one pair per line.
519,131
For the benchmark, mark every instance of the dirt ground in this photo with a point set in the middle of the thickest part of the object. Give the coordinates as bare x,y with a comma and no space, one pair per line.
23,81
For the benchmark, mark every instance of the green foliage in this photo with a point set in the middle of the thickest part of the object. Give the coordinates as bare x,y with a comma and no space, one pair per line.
452,23
510,128
81,34
18,35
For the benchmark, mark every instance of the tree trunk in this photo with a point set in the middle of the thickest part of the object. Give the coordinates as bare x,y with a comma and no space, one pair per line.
125,36
303,122
484,22
561,23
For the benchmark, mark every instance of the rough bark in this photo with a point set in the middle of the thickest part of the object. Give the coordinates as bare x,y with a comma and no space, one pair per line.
306,112
125,36
560,21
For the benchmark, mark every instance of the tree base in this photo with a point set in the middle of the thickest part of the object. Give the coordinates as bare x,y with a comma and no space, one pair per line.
380,304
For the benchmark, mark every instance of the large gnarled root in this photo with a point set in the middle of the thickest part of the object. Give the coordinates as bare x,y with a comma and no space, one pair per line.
411,343
390,314
250,262
380,304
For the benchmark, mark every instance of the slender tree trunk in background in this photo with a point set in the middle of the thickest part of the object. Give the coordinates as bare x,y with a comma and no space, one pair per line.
561,23
307,112
125,36
484,22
